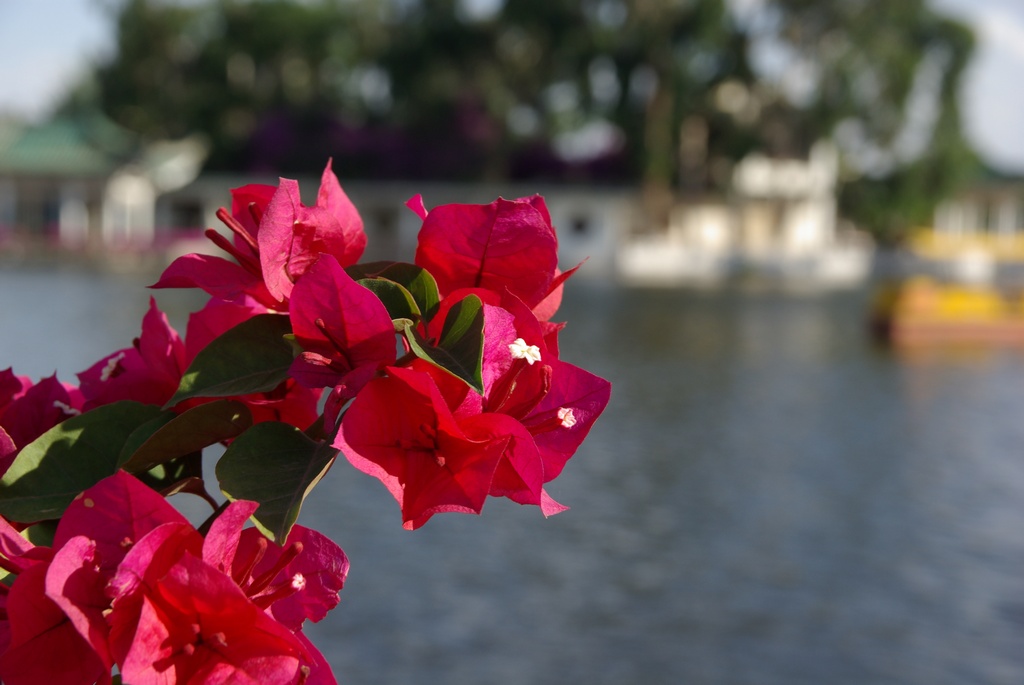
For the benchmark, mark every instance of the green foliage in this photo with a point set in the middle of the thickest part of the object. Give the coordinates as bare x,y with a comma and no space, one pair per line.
170,435
876,63
416,281
460,348
276,465
71,457
414,89
254,356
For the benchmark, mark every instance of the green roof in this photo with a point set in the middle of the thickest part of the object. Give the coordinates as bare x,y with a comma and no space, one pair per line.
84,146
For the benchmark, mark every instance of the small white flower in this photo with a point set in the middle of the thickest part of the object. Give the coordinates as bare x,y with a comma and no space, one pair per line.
520,350
111,366
566,416
66,408
298,581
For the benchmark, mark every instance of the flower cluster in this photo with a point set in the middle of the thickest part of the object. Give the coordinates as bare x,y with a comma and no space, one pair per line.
129,581
441,377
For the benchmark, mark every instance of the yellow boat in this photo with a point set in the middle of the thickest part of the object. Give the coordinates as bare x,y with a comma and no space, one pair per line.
922,311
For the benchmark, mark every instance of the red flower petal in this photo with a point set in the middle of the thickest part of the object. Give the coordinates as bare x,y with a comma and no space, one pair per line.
40,408
197,626
217,276
344,325
39,632
75,583
399,430
257,194
315,576
506,244
221,543
116,513
571,388
520,473
292,236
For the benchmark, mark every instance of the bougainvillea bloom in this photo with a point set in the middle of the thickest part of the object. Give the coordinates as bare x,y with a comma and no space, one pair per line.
292,236
196,625
40,631
115,513
477,403
542,407
184,607
147,372
275,240
507,244
34,411
76,583
221,278
11,388
295,582
343,328
399,430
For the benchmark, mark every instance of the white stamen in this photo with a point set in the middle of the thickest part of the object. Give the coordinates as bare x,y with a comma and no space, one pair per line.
66,408
111,366
520,350
298,581
566,416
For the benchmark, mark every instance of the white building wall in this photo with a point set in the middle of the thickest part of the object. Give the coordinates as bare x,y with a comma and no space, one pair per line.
73,220
129,214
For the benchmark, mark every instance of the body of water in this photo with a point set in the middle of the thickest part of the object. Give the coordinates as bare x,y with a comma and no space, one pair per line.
769,499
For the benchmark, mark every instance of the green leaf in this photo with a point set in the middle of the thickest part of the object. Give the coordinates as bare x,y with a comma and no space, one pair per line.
69,458
396,299
184,474
173,436
254,356
464,327
415,279
41,534
276,465
460,351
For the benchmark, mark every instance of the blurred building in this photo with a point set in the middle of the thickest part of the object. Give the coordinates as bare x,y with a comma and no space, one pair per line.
84,182
976,235
778,219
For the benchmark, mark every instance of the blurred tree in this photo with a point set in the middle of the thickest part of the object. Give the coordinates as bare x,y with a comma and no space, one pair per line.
230,69
882,80
665,92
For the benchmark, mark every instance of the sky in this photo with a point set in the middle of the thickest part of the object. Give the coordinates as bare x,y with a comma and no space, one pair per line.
45,44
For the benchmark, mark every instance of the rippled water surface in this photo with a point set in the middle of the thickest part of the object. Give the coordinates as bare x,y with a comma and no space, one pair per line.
768,499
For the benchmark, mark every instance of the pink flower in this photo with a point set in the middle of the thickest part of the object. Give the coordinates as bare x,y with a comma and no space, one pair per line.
400,430
292,236
296,581
147,372
343,328
150,371
34,627
131,583
188,608
556,403
276,239
505,245
221,278
196,625
40,631
11,388
540,406
32,411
